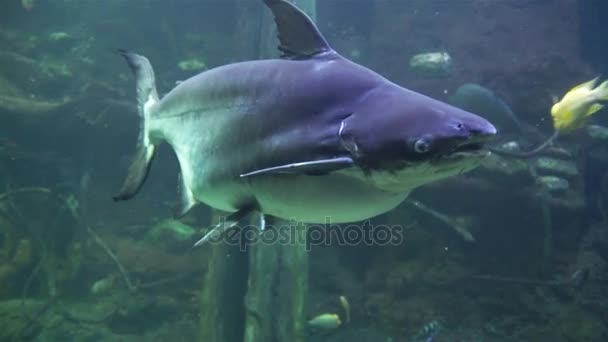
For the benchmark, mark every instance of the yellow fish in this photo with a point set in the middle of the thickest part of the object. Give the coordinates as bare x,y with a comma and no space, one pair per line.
578,104
325,321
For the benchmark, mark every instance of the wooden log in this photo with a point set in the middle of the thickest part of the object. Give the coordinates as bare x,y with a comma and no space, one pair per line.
222,311
278,286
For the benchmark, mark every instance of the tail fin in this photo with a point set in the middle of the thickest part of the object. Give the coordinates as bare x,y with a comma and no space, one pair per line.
602,91
147,96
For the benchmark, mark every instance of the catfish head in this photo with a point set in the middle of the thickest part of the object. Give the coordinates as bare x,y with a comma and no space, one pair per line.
402,139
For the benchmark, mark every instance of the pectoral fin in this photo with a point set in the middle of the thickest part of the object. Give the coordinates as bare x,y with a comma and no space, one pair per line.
314,167
594,108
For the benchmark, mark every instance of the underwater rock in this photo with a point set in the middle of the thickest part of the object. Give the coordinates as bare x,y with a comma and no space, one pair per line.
7,279
96,310
477,99
24,77
138,311
432,63
145,259
13,99
59,42
171,232
14,327
182,330
17,67
83,320
15,260
509,166
8,88
561,167
366,334
553,183
24,254
7,238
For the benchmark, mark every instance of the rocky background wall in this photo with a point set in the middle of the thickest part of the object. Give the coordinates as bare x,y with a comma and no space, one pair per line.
536,270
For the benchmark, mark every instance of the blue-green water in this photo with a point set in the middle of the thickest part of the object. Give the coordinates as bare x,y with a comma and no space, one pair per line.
516,250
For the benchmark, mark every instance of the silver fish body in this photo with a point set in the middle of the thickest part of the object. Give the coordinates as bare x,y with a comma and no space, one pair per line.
311,136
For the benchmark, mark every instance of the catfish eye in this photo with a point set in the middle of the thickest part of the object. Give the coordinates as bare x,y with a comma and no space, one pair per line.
421,146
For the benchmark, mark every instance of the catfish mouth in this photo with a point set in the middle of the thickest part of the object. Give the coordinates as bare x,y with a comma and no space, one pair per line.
467,149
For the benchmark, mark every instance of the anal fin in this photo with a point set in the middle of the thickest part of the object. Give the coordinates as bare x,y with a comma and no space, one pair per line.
262,222
268,222
229,222
186,198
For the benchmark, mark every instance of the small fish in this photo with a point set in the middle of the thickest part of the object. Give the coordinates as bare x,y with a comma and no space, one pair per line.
346,307
102,285
27,5
579,277
569,114
326,321
428,332
8,143
436,63
578,104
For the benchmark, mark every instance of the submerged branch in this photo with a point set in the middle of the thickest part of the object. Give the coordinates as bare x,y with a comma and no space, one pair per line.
112,256
458,228
11,192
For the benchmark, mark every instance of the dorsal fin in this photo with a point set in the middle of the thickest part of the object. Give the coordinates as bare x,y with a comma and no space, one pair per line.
299,37
586,85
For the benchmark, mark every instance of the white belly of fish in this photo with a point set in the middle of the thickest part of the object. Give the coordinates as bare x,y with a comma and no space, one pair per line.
333,198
